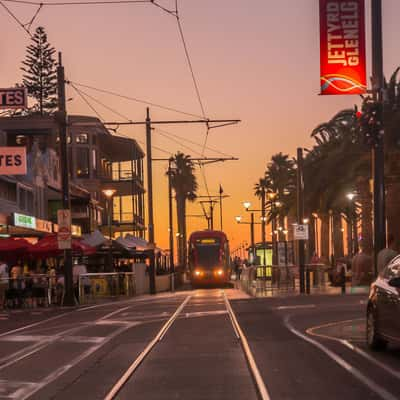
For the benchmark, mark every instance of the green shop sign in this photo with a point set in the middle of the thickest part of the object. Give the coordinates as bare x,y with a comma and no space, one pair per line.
24,221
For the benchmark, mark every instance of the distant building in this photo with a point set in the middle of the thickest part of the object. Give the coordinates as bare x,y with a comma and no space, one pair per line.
97,160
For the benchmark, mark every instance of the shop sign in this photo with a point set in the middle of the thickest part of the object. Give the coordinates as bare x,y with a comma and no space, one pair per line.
342,47
64,229
24,221
13,98
12,160
44,226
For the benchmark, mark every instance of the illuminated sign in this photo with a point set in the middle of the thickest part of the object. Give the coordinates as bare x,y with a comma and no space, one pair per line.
24,221
342,47
207,241
44,226
12,161
13,98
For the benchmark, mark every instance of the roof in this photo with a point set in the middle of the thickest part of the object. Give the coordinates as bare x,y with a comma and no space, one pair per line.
208,233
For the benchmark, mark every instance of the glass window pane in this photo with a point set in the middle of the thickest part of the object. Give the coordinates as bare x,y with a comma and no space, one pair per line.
82,162
81,138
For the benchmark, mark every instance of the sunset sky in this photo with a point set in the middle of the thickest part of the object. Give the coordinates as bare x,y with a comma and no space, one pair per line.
255,60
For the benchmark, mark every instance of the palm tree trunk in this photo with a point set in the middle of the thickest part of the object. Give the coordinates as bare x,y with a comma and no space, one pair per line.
325,237
337,235
365,199
180,210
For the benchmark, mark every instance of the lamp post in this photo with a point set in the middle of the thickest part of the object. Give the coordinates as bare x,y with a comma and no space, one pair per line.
251,223
109,193
353,223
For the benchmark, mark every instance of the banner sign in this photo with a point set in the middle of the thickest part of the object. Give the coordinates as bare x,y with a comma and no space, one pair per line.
64,229
12,160
342,47
13,98
24,221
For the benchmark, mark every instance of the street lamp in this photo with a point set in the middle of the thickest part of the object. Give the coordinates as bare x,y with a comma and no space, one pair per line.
246,205
353,224
109,193
238,219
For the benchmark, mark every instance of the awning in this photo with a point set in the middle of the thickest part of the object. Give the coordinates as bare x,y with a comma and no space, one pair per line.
94,239
130,242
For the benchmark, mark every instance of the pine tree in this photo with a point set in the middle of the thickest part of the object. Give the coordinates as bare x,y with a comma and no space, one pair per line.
40,76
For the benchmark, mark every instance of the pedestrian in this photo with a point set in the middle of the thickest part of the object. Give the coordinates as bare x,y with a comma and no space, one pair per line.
387,254
361,268
3,282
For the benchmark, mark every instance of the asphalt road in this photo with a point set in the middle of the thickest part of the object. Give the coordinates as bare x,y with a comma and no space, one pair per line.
305,348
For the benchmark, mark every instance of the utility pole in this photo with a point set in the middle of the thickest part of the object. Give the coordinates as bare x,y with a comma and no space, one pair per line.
378,151
263,218
253,250
300,215
152,272
220,207
61,117
171,225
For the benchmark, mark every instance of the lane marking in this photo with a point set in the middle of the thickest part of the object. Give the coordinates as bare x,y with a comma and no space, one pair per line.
121,382
395,373
298,307
28,392
205,313
379,390
249,356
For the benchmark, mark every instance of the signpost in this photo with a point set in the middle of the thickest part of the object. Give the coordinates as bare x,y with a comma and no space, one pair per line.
12,160
300,232
13,98
64,229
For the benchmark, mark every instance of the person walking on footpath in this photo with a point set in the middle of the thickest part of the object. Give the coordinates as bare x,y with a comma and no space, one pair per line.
387,254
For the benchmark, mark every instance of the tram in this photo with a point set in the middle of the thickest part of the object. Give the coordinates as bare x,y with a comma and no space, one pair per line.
208,256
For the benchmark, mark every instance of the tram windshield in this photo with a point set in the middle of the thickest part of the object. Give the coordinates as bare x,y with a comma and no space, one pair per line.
207,252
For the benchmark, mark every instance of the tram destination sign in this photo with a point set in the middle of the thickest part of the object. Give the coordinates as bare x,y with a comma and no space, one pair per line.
13,98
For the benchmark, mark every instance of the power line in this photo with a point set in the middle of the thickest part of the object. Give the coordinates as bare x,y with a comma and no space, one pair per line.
136,100
88,103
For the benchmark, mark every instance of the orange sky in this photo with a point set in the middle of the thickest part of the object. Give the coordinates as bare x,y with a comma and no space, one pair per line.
256,60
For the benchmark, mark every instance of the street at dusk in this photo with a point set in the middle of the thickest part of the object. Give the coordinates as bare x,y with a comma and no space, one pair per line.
199,200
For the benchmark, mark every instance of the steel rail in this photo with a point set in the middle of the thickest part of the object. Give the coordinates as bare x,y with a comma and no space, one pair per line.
128,373
261,388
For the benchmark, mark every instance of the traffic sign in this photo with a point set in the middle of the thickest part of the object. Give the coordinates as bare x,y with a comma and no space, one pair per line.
300,232
64,229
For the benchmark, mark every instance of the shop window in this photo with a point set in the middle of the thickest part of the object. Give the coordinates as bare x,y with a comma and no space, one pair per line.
81,138
82,163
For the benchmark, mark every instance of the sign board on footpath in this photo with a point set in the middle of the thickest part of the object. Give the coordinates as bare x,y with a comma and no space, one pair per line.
300,232
64,229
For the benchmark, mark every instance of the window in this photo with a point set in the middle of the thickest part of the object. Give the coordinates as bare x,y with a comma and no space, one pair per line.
81,138
82,163
94,161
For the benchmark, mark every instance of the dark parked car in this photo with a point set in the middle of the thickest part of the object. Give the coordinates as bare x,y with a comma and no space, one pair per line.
383,312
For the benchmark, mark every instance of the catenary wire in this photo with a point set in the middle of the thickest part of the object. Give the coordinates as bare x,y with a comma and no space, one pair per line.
136,100
104,105
176,141
16,19
78,3
88,103
193,142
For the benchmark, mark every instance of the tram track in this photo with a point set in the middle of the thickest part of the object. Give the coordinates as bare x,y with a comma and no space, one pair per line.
260,387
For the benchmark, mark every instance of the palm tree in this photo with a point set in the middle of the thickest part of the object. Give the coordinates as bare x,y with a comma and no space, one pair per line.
281,180
184,183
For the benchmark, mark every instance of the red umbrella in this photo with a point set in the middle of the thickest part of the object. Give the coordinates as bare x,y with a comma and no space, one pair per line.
48,247
13,248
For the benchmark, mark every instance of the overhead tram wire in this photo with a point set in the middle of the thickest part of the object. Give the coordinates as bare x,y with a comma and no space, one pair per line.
81,94
16,19
78,3
137,100
193,142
